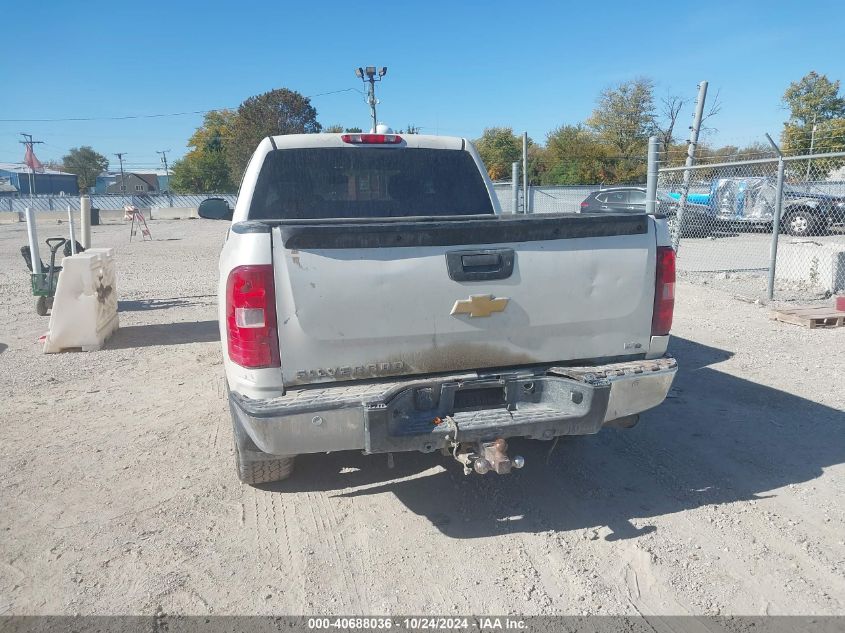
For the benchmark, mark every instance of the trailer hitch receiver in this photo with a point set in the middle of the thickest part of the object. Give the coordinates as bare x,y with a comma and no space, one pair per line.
482,457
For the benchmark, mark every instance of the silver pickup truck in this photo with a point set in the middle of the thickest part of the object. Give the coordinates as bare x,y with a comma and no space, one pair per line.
374,298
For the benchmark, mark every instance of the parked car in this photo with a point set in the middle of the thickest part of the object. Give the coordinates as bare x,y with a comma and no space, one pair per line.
698,220
751,202
373,298
216,207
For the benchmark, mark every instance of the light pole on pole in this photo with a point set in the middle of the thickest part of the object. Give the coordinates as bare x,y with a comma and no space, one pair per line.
371,75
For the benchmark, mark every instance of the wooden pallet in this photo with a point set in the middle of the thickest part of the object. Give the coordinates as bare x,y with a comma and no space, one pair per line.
811,316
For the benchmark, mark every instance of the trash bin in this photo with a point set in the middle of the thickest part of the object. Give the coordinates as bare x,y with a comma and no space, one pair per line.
95,216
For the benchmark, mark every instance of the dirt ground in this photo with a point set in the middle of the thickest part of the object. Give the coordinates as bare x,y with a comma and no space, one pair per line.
118,493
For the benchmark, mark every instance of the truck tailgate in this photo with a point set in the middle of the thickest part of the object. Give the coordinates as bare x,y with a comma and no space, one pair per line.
371,299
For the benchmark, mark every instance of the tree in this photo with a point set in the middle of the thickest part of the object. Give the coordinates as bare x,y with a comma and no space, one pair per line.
353,130
575,156
814,98
670,109
201,172
86,164
204,168
499,147
624,116
814,101
333,129
279,111
215,131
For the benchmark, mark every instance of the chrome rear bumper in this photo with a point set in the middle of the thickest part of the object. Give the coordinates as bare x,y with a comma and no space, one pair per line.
408,415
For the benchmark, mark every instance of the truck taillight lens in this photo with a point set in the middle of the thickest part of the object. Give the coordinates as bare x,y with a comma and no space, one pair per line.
664,292
251,317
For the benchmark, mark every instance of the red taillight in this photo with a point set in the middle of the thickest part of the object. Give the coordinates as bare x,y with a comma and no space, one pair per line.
251,317
585,204
372,139
664,292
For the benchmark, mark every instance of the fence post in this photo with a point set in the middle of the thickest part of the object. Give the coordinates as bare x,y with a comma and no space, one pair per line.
85,221
32,234
773,252
70,229
515,187
651,176
692,144
525,199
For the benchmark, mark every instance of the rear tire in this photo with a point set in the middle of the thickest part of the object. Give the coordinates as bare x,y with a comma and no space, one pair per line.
253,465
263,470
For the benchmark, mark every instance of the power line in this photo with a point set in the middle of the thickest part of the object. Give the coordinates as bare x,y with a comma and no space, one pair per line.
152,116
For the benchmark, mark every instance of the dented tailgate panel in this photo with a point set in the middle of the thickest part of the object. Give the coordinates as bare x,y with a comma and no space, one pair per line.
348,313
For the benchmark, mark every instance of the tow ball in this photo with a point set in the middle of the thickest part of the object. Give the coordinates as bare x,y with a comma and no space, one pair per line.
482,457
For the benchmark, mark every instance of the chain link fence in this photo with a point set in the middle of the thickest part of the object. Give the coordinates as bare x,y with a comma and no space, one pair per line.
110,201
771,228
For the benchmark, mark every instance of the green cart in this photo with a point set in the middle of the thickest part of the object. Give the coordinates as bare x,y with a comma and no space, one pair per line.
44,283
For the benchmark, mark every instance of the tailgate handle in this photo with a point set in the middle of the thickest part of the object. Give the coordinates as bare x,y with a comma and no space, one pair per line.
480,265
486,260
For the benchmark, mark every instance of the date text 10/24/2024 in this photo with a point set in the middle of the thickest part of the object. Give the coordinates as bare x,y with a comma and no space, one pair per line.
417,623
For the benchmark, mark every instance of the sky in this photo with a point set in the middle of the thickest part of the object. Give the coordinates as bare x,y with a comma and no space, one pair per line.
453,67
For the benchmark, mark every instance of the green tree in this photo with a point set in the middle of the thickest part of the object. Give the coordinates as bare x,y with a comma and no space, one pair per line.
813,98
333,129
814,102
624,117
353,130
215,131
86,164
204,168
279,111
201,172
575,155
498,148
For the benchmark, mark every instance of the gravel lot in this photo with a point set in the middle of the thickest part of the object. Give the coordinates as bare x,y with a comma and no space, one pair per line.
119,495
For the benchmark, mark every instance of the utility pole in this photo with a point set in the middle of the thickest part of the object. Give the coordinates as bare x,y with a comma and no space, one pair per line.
692,144
812,143
164,160
370,72
120,156
28,143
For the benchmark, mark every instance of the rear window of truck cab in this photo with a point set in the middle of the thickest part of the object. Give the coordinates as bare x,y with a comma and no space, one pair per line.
360,182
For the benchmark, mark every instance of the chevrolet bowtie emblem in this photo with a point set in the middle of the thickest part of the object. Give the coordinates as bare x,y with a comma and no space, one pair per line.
480,305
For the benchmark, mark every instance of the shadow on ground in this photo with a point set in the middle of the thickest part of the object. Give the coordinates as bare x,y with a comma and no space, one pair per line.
143,305
164,334
3,347
719,439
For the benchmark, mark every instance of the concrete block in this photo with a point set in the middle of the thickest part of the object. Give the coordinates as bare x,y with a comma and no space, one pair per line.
84,312
173,213
812,263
